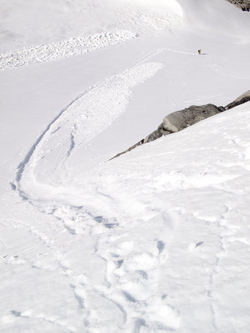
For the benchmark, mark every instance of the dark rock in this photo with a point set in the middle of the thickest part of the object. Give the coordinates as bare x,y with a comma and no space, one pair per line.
243,4
222,108
153,136
126,151
156,134
240,100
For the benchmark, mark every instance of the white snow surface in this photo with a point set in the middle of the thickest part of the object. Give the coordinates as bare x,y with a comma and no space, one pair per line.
157,240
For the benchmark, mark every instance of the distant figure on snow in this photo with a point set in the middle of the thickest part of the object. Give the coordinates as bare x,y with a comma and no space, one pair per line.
199,51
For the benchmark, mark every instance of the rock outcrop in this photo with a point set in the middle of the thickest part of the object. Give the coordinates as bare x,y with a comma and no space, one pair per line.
243,4
240,100
179,120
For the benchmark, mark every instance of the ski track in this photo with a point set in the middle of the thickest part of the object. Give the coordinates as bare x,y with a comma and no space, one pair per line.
157,51
55,51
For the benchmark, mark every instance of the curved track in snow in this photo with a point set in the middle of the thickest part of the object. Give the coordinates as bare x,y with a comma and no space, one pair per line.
89,114
128,285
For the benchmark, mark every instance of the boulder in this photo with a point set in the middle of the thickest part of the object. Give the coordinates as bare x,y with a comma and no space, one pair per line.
179,120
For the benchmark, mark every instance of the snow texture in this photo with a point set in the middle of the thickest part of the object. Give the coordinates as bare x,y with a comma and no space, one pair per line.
55,51
158,239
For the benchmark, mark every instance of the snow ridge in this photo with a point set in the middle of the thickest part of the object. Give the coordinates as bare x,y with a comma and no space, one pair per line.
55,51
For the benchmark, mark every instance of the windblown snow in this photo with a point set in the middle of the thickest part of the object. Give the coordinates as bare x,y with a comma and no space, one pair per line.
157,240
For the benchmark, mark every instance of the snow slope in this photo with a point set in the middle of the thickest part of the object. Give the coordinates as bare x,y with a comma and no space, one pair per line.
158,239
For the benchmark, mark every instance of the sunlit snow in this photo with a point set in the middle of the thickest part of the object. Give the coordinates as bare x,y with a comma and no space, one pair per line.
157,240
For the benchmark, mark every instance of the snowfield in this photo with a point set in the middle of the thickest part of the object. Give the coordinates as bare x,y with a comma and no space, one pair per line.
157,240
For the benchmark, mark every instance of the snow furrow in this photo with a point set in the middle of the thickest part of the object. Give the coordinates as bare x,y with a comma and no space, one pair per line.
157,51
55,51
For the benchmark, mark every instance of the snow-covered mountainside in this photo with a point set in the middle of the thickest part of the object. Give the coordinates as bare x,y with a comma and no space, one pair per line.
157,240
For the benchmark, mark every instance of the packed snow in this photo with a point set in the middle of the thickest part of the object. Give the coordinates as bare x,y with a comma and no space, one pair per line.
157,240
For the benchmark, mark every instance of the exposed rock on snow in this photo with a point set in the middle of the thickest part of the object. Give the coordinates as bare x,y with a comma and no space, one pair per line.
179,120
240,100
243,4
182,119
